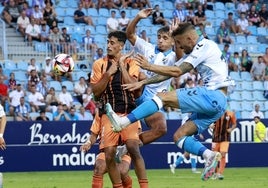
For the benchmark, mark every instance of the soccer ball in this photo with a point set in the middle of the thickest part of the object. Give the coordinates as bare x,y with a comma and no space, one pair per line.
62,63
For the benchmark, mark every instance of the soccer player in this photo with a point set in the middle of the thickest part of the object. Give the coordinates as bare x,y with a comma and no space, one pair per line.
160,54
221,139
3,123
108,74
207,103
100,166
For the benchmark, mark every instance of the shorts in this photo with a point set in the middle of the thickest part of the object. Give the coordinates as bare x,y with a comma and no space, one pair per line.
206,106
80,20
125,158
220,146
110,138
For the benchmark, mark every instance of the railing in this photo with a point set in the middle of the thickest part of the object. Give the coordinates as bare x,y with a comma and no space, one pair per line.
3,42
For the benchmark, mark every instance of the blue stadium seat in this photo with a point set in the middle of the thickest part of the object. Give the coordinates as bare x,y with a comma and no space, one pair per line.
261,31
246,85
266,114
210,31
102,21
69,20
78,29
252,39
50,116
146,22
229,7
258,85
235,105
220,14
253,48
80,74
134,12
104,12
167,5
246,95
34,115
245,76
240,47
72,4
92,12
60,11
246,106
209,14
240,39
77,37
235,96
235,75
56,85
219,6
262,48
23,65
10,65
253,30
258,95
70,11
245,114
21,75
100,29
69,85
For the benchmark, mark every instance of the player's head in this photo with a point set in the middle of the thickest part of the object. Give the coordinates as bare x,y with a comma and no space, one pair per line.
164,39
115,42
185,37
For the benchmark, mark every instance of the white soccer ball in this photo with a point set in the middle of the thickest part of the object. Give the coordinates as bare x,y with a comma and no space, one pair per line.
62,63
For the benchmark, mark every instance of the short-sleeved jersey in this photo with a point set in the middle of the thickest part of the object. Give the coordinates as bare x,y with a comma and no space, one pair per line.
120,100
220,133
260,127
154,56
209,62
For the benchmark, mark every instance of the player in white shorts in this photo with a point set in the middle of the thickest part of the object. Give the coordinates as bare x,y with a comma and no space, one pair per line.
207,103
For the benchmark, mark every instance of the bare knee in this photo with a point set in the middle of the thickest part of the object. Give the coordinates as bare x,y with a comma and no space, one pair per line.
100,167
157,123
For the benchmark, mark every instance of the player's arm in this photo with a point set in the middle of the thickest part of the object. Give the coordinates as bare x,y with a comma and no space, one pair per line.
89,143
130,31
233,123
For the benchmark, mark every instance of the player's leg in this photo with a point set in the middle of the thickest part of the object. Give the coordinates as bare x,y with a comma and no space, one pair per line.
215,147
144,110
193,159
99,171
178,161
224,147
124,169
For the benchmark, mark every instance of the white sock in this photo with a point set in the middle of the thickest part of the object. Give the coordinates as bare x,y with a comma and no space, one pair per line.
207,153
124,121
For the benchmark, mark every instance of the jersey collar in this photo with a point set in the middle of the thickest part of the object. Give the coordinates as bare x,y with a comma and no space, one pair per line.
156,51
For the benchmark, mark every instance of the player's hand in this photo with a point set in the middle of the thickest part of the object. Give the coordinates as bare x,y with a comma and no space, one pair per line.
2,143
144,13
113,68
85,147
132,86
123,58
174,25
142,61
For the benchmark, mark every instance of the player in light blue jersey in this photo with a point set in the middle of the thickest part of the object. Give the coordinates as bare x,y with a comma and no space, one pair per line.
207,103
160,54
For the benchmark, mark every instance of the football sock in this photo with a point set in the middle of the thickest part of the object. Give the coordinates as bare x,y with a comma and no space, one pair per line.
127,182
193,163
222,164
143,183
118,185
97,181
145,109
191,145
179,160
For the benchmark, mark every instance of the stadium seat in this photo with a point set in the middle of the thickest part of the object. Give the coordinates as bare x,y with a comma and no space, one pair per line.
240,47
23,66
253,48
92,12
229,7
246,85
245,76
235,75
56,85
220,14
69,85
219,6
72,4
210,31
10,65
252,39
167,5
69,20
50,116
258,95
60,12
246,96
262,48
81,74
100,29
246,106
133,12
253,30
103,12
235,105
235,96
258,85
240,39
245,114
91,28
70,11
209,14
34,115
79,29
145,22
261,31
102,21
21,75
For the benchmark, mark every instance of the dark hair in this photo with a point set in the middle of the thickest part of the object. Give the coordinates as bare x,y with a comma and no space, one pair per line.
164,29
183,28
120,35
230,13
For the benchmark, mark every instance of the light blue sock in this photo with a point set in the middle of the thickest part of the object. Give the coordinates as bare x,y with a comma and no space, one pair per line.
179,160
191,145
145,109
193,163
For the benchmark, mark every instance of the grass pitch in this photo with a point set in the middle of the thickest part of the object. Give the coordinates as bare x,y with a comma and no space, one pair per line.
183,178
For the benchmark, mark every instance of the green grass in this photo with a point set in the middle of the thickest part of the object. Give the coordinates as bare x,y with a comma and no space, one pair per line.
234,178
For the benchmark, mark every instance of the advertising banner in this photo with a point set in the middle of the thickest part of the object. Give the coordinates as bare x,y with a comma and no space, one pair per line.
54,146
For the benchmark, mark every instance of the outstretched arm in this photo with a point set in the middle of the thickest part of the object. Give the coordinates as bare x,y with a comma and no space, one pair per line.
130,31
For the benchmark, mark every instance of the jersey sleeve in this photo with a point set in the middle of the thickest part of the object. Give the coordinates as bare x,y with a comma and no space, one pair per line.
134,69
96,73
96,125
141,46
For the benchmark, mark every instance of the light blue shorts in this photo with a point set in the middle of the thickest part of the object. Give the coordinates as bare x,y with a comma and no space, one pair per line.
145,96
206,106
